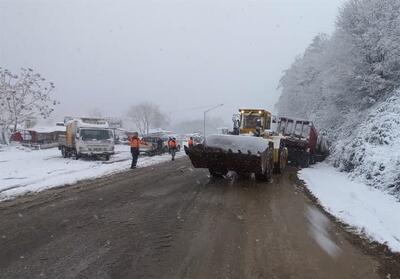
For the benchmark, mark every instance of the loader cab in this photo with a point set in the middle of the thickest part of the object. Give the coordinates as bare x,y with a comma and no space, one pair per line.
252,120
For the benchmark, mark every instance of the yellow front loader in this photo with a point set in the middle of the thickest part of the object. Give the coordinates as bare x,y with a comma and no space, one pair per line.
250,148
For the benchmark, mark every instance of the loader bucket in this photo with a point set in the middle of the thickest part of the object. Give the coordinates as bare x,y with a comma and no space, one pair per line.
242,154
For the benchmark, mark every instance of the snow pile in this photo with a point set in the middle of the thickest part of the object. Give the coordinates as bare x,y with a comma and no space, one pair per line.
368,210
23,170
372,151
236,143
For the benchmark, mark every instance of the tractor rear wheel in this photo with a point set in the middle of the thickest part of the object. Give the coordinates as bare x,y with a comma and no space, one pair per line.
63,152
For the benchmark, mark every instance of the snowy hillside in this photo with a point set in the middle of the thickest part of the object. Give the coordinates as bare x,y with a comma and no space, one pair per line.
372,151
347,83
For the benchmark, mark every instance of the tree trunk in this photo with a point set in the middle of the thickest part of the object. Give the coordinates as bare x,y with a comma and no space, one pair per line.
4,136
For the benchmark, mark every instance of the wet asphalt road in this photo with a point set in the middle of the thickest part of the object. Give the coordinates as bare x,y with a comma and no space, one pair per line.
171,221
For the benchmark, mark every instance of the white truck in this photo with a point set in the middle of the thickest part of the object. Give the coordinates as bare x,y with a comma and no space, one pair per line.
87,137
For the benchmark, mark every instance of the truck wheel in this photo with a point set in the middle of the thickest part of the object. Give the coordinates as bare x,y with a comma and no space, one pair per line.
313,159
217,173
63,152
305,160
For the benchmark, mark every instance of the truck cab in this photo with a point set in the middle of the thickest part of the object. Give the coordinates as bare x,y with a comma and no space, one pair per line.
87,137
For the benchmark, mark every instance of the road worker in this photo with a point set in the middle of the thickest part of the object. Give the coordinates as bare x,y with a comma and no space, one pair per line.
160,144
135,145
190,142
172,147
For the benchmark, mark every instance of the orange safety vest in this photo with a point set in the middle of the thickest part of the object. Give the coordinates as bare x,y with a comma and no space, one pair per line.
172,144
135,143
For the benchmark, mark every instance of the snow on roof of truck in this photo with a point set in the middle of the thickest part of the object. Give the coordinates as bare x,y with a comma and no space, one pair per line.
291,119
91,122
47,129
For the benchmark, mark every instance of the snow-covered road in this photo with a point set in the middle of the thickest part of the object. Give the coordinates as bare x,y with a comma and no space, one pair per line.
369,211
23,170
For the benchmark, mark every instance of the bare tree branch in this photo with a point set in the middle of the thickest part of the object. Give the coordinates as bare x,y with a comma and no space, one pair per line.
146,116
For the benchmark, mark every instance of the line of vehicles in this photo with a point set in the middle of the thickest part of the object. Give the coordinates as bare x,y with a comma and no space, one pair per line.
93,138
261,144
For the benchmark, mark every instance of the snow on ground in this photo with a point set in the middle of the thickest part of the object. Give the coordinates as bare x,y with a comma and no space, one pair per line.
370,211
371,151
23,170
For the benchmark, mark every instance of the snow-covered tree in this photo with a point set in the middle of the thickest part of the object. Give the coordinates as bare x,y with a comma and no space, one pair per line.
301,84
347,84
348,73
23,97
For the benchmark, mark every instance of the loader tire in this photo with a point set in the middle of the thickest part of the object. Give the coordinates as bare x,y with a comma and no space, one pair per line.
267,176
217,173
281,164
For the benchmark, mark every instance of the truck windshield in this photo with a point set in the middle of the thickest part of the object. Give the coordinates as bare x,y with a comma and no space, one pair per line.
306,131
95,134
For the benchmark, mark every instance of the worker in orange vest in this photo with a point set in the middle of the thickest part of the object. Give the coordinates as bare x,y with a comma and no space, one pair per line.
190,142
172,147
135,145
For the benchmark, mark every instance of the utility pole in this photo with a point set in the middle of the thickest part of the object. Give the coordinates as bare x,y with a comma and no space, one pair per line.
205,114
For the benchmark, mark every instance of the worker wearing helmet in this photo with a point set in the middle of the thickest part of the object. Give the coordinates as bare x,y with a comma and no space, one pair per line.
135,145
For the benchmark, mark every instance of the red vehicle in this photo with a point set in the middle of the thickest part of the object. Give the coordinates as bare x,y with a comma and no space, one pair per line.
304,144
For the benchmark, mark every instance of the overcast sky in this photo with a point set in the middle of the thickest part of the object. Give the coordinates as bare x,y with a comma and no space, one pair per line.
182,55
